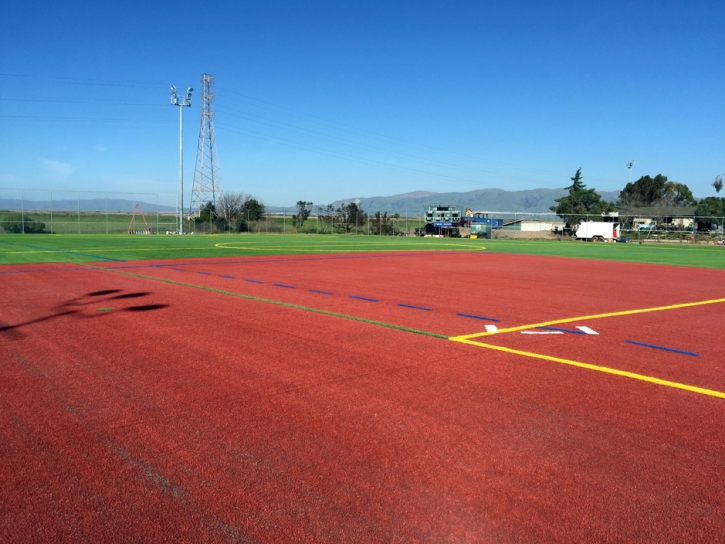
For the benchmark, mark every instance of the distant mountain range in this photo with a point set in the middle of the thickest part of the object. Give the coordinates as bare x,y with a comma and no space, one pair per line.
113,205
494,200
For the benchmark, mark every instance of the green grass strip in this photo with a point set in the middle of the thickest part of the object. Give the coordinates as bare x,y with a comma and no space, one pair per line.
105,309
278,303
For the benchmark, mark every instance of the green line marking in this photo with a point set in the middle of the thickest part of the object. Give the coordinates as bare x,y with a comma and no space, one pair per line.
105,309
279,303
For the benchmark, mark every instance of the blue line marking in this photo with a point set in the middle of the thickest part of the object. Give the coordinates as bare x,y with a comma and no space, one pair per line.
663,348
230,277
179,269
205,273
571,331
363,298
479,317
415,307
285,286
320,292
254,281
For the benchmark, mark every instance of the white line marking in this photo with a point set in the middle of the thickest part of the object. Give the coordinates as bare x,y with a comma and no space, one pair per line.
491,328
587,330
542,332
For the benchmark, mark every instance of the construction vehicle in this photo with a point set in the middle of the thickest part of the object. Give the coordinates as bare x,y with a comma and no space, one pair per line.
471,217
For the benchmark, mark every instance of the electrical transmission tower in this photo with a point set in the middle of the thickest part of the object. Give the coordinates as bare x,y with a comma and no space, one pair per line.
207,185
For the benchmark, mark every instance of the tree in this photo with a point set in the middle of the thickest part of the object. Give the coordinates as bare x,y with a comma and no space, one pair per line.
677,194
380,223
710,210
581,202
350,216
326,217
17,224
207,213
229,206
303,212
656,191
251,210
717,184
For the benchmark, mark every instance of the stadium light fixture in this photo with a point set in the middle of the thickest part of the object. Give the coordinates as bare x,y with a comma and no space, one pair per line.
630,164
185,103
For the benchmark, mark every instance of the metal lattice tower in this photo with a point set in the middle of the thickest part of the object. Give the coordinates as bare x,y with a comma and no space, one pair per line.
207,185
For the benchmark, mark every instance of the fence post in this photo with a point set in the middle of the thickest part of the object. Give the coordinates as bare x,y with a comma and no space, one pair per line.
79,211
157,216
51,211
22,211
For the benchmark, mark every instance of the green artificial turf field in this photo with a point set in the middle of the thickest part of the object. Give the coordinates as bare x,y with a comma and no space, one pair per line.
40,248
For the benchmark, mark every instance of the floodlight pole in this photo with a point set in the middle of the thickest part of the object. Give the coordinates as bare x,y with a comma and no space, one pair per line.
630,164
184,103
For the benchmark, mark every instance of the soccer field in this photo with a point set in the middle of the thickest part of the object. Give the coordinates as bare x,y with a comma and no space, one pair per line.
16,249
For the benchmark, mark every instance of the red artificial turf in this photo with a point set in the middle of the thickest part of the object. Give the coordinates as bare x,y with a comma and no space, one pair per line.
193,415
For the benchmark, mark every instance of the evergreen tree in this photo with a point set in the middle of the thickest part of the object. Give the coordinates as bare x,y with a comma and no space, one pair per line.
581,202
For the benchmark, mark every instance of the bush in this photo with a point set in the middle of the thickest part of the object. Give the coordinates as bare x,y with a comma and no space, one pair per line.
16,224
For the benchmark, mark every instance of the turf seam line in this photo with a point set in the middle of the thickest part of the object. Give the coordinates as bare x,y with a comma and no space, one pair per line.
415,307
76,253
278,303
479,317
662,348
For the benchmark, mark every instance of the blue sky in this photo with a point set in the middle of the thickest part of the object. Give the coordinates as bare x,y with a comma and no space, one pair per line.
328,100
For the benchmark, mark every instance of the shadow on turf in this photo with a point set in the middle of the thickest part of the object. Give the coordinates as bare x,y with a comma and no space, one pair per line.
11,332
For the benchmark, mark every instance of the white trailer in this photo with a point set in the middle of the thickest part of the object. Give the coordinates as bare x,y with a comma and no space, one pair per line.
597,230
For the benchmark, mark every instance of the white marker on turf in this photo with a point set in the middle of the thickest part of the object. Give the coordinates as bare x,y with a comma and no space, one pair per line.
587,330
491,328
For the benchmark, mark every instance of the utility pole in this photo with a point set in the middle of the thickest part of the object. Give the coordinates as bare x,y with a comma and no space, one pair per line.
207,186
185,103
630,164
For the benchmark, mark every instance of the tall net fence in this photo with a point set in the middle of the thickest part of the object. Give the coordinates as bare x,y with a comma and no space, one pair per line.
30,211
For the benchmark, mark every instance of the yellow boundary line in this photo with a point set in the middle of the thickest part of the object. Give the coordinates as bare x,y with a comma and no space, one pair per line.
586,318
607,370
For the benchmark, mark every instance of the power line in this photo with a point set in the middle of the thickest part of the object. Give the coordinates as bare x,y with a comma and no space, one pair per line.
352,143
359,131
353,158
80,119
91,102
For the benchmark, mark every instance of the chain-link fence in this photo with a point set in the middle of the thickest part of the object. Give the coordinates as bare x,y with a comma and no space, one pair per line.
29,211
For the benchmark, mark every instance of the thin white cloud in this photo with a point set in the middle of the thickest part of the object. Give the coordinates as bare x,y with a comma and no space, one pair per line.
58,171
